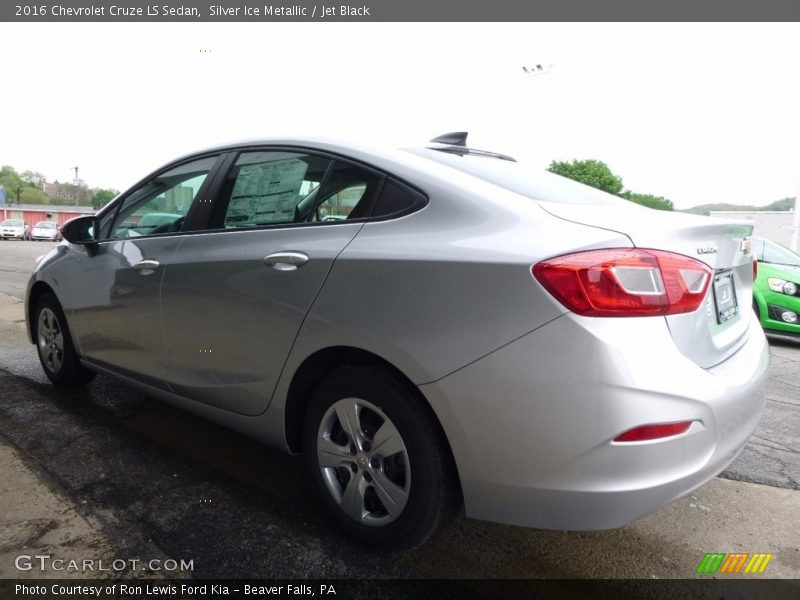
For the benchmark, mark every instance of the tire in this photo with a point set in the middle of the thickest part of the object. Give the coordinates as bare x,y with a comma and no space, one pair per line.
54,345
401,497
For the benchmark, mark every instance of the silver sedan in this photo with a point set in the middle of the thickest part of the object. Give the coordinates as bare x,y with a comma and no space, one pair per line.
427,326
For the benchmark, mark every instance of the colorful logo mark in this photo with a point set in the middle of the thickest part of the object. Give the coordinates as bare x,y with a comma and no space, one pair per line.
735,562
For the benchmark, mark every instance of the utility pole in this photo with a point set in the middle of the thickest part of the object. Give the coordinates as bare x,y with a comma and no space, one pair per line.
796,221
76,185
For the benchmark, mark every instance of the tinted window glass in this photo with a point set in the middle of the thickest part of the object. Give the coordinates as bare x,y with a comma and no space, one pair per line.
273,187
160,205
777,254
347,194
395,199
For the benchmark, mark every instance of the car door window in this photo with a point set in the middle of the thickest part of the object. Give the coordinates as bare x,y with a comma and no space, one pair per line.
269,187
279,187
161,204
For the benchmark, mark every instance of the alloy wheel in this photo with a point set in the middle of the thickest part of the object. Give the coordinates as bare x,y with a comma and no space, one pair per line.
50,340
364,462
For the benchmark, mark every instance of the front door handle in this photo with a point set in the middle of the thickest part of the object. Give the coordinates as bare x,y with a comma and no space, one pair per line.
286,261
146,267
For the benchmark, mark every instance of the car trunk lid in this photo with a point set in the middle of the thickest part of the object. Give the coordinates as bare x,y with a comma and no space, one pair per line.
717,329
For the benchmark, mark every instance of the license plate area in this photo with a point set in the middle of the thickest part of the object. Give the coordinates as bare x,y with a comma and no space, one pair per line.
725,297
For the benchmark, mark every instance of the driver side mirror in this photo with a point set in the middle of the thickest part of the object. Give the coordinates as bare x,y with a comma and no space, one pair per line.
81,230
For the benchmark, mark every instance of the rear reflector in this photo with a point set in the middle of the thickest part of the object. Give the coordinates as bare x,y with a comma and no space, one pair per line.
625,282
653,432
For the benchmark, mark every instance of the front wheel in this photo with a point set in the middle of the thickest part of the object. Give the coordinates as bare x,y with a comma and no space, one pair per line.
54,344
376,460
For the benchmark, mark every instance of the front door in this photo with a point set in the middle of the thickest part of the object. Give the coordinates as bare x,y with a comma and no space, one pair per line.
116,310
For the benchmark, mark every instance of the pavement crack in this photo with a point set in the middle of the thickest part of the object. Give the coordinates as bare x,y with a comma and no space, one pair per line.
34,530
765,442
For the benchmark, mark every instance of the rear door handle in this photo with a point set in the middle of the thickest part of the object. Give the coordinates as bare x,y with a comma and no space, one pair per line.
146,267
286,261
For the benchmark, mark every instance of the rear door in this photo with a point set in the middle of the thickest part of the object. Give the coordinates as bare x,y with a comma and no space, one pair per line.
235,296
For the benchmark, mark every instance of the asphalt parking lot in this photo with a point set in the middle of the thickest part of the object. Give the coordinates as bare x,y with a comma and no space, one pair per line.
107,470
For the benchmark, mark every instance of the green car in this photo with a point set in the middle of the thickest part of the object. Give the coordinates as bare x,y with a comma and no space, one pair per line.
776,293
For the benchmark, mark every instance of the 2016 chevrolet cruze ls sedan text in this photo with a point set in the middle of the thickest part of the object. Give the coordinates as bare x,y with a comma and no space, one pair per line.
424,325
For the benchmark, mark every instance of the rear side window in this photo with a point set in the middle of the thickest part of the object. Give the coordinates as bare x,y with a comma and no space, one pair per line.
397,199
347,194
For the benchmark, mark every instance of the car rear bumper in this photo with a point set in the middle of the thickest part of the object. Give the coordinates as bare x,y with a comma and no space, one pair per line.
531,425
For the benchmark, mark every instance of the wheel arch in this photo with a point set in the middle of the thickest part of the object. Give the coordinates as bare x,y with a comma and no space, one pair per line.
37,291
316,366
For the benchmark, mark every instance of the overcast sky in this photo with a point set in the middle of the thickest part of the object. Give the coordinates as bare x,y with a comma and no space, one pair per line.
696,113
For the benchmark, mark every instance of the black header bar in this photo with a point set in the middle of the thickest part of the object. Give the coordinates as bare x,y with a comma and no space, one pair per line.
265,11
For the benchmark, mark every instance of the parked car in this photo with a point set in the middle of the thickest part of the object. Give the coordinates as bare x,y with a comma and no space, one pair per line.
45,230
776,293
474,329
12,228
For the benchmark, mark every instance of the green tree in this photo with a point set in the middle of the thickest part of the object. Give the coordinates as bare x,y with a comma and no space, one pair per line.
648,200
32,195
591,172
33,178
782,204
102,197
11,182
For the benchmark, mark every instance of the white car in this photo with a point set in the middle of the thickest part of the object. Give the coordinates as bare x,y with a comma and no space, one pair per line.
12,228
45,230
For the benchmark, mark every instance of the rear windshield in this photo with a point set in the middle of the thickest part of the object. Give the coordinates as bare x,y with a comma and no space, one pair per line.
770,252
523,179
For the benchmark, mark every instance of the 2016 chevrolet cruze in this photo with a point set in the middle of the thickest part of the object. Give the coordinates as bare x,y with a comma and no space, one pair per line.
424,325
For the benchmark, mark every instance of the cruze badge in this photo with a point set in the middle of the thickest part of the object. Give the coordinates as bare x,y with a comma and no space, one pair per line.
708,250
746,245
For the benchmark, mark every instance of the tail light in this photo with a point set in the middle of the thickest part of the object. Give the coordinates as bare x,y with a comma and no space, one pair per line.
755,269
625,282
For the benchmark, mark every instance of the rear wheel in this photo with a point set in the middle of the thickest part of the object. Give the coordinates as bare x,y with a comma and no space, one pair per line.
376,460
54,345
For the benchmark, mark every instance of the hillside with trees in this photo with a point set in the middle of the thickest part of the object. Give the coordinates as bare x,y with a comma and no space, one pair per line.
783,204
